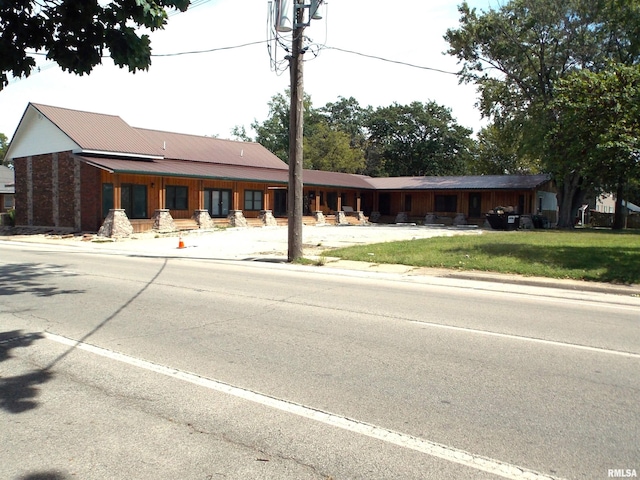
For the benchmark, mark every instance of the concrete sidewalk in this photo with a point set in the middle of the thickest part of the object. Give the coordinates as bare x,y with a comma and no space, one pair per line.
271,244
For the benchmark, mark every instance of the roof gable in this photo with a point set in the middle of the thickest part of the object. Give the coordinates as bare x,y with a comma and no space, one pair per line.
37,135
98,132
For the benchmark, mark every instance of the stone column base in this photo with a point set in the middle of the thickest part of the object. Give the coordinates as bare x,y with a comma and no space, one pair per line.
268,220
460,219
402,217
341,218
203,219
430,219
362,220
236,218
319,216
116,225
374,217
163,221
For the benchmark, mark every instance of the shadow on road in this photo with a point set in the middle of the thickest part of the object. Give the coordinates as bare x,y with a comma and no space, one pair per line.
18,393
18,278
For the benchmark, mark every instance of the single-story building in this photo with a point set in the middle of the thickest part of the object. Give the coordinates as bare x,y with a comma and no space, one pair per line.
77,170
7,189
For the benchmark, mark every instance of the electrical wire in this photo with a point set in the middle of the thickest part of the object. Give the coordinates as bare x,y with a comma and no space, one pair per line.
398,62
209,50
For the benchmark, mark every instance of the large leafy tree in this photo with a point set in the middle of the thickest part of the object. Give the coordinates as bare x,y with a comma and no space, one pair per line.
517,53
498,153
331,134
417,139
76,33
598,119
273,133
330,149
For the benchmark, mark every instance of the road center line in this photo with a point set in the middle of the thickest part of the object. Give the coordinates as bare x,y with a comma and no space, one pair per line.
450,454
528,339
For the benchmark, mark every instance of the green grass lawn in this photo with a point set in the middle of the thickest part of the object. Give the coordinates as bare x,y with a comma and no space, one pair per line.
594,255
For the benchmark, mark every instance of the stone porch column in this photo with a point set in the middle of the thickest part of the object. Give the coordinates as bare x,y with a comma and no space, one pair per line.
203,219
268,220
236,218
116,225
163,221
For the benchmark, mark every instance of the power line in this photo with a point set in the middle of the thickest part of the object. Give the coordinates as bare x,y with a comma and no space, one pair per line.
388,60
195,52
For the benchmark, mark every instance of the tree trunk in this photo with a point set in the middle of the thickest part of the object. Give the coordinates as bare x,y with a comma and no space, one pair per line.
570,198
619,215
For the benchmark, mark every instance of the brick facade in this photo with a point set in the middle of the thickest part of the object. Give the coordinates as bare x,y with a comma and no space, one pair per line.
58,190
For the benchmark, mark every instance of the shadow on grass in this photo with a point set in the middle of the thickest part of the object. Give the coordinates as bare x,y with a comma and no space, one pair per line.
604,264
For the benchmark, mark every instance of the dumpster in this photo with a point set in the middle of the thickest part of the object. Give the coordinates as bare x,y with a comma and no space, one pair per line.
500,219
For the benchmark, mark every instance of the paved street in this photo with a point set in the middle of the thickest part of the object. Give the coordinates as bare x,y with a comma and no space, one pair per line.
123,364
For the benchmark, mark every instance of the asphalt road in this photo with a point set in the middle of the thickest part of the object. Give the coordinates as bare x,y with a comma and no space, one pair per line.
121,366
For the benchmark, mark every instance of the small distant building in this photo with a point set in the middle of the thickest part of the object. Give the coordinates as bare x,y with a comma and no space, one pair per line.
7,189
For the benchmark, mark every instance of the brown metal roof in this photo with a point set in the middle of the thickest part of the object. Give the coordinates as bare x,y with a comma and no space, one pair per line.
471,182
336,179
185,168
213,150
98,132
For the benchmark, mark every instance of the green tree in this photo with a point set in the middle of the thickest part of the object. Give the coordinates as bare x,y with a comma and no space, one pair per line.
330,135
517,53
346,115
4,146
598,119
75,33
417,139
498,153
330,150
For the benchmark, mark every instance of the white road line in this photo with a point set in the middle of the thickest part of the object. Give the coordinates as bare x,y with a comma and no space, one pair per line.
403,440
528,339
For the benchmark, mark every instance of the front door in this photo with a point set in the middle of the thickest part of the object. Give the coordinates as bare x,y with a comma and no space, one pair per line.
475,205
280,203
217,202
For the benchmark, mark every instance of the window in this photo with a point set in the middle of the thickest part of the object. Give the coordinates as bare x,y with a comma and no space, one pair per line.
446,203
107,198
177,197
8,201
253,199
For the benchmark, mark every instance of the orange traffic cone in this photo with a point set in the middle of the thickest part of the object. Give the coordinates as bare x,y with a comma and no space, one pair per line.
180,242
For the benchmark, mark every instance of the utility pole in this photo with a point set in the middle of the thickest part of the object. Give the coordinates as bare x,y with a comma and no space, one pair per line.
296,129
303,12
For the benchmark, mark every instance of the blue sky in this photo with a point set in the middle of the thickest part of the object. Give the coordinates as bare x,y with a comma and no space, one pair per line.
210,93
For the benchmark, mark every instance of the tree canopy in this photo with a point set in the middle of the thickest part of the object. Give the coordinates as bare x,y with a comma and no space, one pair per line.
416,139
76,33
517,53
598,120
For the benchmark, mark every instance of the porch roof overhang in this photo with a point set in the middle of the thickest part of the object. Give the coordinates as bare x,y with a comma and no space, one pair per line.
182,168
218,171
472,182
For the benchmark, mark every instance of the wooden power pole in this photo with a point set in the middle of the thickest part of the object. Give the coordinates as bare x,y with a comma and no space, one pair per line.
296,128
